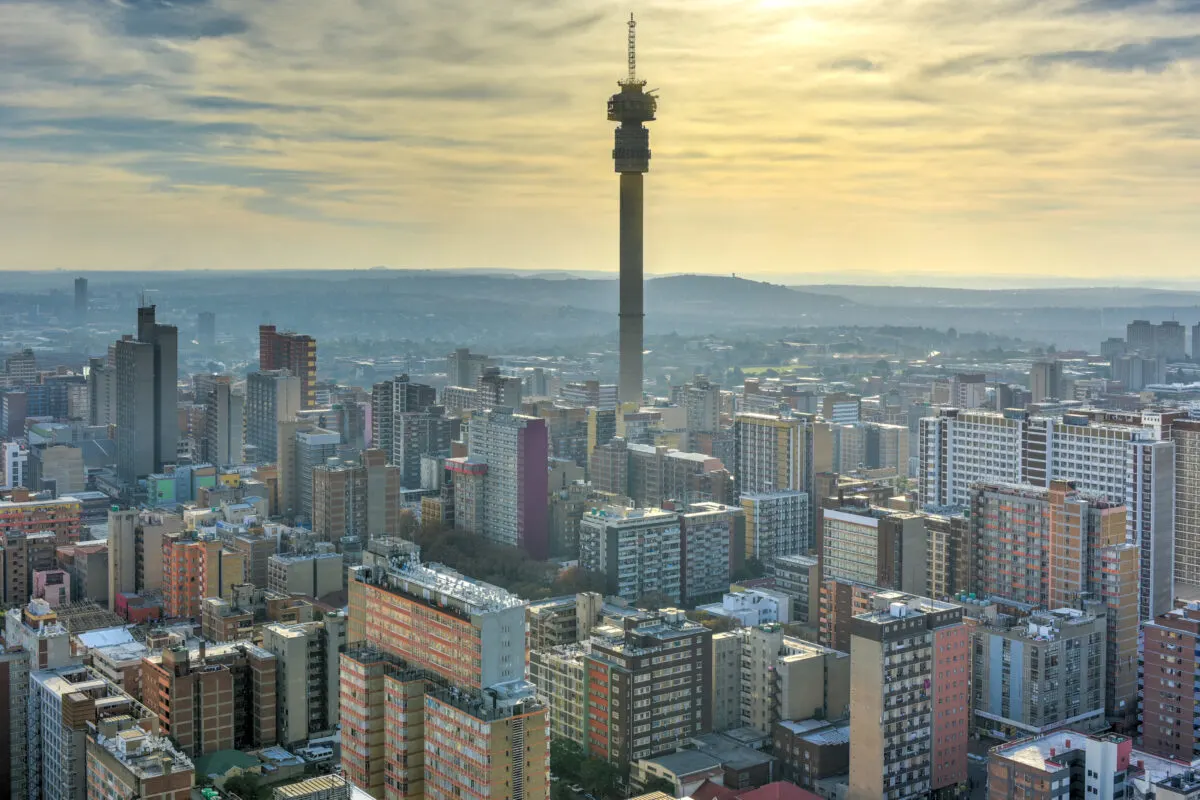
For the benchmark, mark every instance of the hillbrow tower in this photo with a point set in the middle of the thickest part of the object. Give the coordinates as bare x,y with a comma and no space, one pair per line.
631,158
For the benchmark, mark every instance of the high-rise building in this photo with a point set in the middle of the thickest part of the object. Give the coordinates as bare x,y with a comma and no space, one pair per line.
21,368
224,424
909,674
948,555
463,367
1060,548
774,677
432,685
219,697
709,537
702,400
135,551
271,398
308,448
307,662
1151,523
777,524
591,394
147,399
1038,674
81,299
631,107
359,500
799,577
498,391
639,551
293,352
206,330
182,575
515,449
1186,435
61,517
417,434
870,545
630,715
1136,371
398,395
1170,680
102,393
1045,380
126,761
780,453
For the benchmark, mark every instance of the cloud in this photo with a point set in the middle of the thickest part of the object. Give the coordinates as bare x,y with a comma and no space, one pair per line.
460,132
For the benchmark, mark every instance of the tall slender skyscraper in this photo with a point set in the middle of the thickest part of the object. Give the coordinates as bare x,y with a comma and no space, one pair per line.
147,399
293,352
631,157
81,299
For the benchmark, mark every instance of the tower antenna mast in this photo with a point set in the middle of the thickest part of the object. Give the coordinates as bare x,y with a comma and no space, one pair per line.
632,49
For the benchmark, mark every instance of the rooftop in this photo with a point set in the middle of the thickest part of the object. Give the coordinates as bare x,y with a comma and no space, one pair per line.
437,583
146,755
305,788
626,514
686,762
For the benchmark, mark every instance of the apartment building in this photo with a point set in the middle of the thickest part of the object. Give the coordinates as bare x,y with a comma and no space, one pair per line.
1170,679
559,674
126,761
1063,548
306,658
948,554
516,451
871,545
562,620
1038,674
292,352
219,697
646,686
773,454
62,517
710,535
356,499
639,551
1061,764
182,575
765,677
799,578
777,524
910,671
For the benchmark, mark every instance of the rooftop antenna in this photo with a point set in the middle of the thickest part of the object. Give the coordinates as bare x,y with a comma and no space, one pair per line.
631,79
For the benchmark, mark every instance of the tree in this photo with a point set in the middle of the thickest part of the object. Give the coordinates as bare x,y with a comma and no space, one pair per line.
659,784
599,777
247,787
566,759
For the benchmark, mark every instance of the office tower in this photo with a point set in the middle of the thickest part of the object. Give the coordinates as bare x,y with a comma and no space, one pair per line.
439,661
909,671
619,673
1066,763
398,395
777,524
590,394
631,156
865,544
182,576
57,469
271,398
14,408
14,459
1037,674
948,555
1060,548
799,577
463,367
224,425
709,537
515,449
293,352
206,330
1186,435
81,299
498,391
358,500
1140,335
1045,380
773,677
126,761
459,399
306,657
1171,678
1196,342
417,434
308,448
1169,341
306,574
147,400
841,408
14,684
968,390
21,368
102,393
219,697
637,550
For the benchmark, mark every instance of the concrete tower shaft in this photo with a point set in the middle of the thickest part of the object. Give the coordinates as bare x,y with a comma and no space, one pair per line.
631,158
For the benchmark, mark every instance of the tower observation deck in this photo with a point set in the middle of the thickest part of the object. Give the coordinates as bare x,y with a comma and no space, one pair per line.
631,107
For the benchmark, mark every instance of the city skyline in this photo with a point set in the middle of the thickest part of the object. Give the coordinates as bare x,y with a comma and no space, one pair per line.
998,137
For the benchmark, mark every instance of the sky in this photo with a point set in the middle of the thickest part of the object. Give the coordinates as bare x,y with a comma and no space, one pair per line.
864,138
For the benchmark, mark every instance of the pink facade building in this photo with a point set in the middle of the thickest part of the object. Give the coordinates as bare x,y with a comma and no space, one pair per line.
53,586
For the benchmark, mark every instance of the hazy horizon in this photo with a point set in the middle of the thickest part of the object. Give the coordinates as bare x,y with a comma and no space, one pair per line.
931,142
